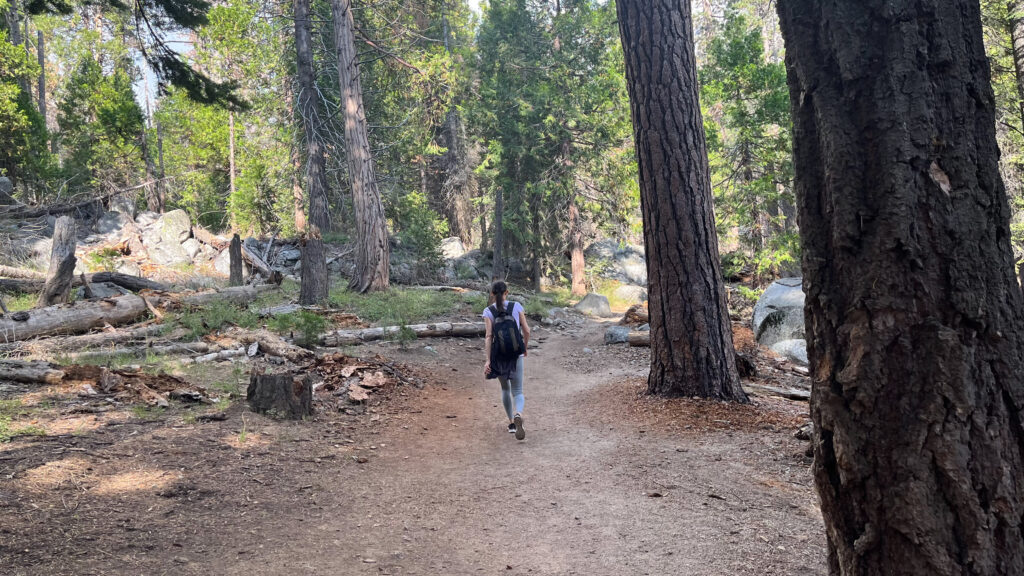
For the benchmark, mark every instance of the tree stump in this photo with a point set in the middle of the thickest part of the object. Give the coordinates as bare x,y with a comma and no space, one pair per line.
61,274
280,395
235,261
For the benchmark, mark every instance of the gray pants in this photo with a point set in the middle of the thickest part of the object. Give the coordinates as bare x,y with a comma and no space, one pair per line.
512,391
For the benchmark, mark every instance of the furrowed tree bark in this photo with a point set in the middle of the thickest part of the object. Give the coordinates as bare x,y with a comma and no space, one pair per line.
315,282
579,279
309,112
371,229
691,336
281,395
235,261
60,277
915,322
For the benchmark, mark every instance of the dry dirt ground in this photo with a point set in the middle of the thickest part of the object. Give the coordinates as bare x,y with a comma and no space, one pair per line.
607,482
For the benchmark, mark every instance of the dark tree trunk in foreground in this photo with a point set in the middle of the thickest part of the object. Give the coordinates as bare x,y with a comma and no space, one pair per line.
315,286
371,229
579,280
914,317
60,276
691,337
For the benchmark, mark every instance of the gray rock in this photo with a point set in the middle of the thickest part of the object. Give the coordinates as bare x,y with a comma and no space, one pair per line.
625,263
779,313
595,305
6,189
794,350
452,248
644,328
631,294
208,252
123,203
101,290
129,267
289,255
616,335
175,227
145,219
222,263
168,254
192,247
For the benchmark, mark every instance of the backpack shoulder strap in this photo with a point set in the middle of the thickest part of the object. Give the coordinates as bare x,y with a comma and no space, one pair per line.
510,308
494,311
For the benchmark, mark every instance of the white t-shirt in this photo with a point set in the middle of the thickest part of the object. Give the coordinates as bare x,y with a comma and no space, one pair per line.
517,308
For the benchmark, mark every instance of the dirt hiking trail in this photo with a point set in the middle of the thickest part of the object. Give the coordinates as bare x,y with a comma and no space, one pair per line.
607,482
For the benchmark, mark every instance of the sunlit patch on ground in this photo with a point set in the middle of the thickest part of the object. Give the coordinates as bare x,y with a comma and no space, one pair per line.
69,473
133,481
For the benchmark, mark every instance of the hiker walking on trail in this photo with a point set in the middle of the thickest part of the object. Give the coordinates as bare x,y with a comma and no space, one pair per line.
507,337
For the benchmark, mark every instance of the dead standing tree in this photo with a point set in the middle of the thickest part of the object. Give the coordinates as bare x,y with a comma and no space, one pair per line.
60,276
915,321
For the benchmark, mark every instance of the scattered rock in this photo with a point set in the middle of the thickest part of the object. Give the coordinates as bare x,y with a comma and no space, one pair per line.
616,335
289,255
623,262
452,248
632,294
192,247
129,267
168,254
6,189
175,227
779,313
793,350
110,223
101,290
146,219
588,351
595,305
644,328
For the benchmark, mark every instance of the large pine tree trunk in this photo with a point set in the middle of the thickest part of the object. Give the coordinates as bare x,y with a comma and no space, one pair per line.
314,265
915,323
691,336
579,280
371,229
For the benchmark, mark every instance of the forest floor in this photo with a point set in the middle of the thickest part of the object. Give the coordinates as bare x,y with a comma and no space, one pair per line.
426,481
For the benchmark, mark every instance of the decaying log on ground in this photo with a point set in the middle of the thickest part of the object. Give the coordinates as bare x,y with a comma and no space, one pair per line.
790,393
21,273
28,285
61,274
640,339
83,341
30,372
260,265
269,343
27,212
438,330
636,316
142,351
457,289
238,295
280,395
71,318
209,238
221,355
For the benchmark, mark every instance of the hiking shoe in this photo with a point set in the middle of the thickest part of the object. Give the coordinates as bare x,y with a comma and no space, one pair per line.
511,428
518,424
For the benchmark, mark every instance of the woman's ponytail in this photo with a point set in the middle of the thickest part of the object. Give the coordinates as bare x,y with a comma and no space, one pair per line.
498,290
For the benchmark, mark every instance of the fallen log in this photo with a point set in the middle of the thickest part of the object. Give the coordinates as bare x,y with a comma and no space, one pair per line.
640,339
22,273
86,340
269,343
30,285
789,393
221,355
238,295
141,351
439,330
28,212
71,318
209,238
30,372
260,265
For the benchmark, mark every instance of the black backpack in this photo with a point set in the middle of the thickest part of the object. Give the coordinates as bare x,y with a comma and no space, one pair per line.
508,340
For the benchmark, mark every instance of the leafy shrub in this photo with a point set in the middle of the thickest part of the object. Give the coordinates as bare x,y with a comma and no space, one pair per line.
420,228
397,306
202,321
104,259
308,325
